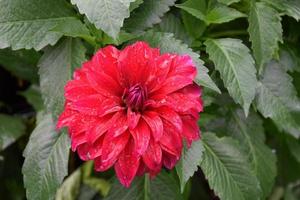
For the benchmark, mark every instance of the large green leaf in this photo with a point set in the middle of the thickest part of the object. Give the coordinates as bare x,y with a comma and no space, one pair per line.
227,169
147,14
277,98
167,43
26,24
11,128
218,14
289,7
265,32
162,187
56,67
236,66
228,2
289,57
250,133
107,15
46,160
189,162
21,63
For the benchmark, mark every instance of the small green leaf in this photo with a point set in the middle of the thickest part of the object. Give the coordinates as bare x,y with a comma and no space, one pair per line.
147,14
33,96
189,162
21,63
265,32
161,187
289,57
135,4
107,15
167,43
218,14
11,128
236,66
27,24
227,169
277,98
46,160
250,133
56,68
289,7
69,190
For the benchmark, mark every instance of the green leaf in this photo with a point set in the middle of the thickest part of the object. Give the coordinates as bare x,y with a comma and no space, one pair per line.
147,14
56,68
21,63
265,32
228,2
289,57
277,98
33,97
250,134
189,162
227,170
289,7
46,160
172,24
135,4
218,14
107,15
26,24
11,128
294,147
161,187
74,29
167,43
236,66
69,190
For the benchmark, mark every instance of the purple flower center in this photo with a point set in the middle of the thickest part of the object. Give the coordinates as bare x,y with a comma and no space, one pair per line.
135,96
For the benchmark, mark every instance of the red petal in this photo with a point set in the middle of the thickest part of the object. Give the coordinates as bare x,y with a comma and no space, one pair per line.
112,147
155,123
66,118
141,136
190,129
118,124
152,157
76,89
100,127
76,140
169,160
171,116
127,165
133,63
132,118
171,141
96,105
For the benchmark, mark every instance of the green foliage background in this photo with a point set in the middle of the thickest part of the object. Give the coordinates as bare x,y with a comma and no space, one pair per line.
247,54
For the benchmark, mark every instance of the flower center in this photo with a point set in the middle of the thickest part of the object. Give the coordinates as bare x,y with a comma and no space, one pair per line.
135,96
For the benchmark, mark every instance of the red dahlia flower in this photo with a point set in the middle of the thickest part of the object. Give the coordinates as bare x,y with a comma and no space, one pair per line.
132,109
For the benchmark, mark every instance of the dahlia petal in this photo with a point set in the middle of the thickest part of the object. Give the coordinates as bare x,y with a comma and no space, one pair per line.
127,165
169,160
65,118
76,140
104,84
182,103
152,157
132,118
133,62
141,136
96,105
88,151
118,124
155,123
82,151
111,148
171,116
76,89
99,128
171,141
190,130
142,169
